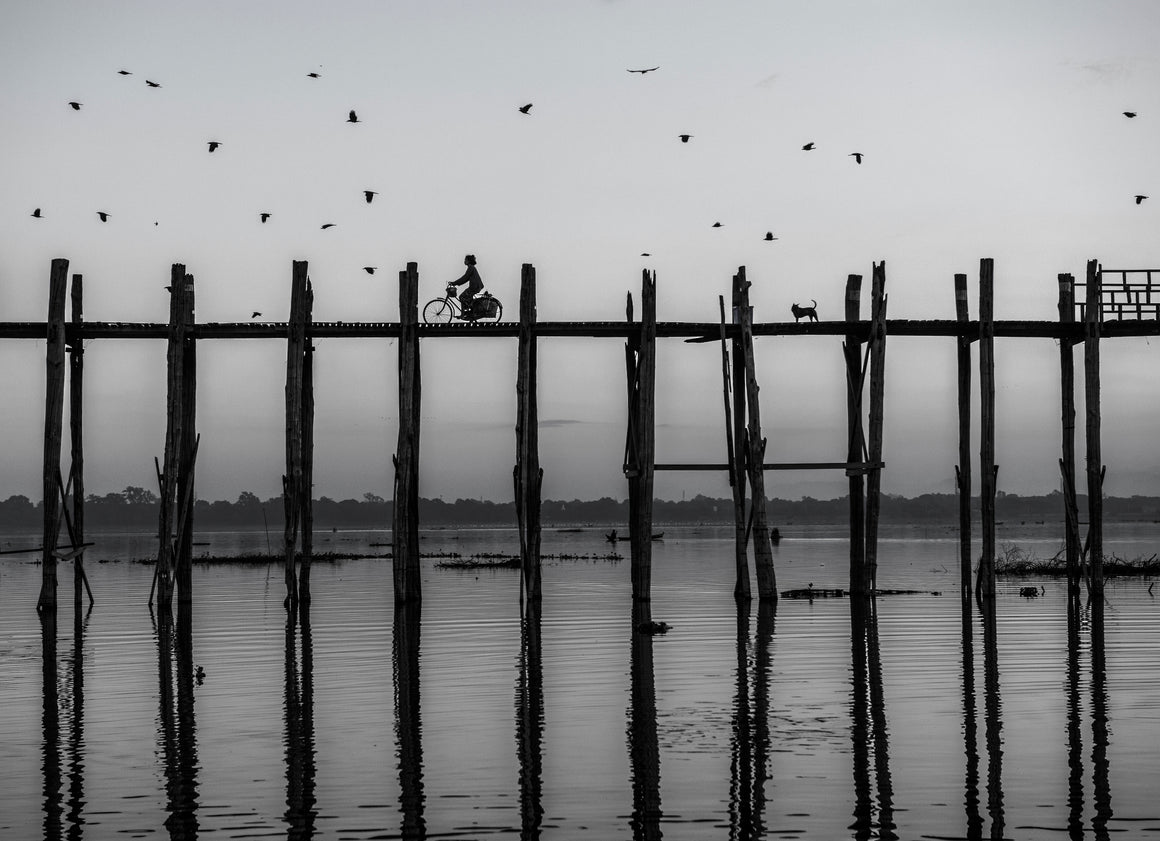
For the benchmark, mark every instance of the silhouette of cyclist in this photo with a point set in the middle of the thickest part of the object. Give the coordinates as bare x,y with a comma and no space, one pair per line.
474,284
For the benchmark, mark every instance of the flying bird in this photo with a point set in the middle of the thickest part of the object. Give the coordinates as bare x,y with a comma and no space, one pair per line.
370,194
857,156
256,315
1139,199
684,137
264,216
76,106
353,118
104,216
769,237
36,214
645,70
716,224
809,147
1129,114
645,254
314,75
213,144
152,84
525,108
124,73
369,269
328,225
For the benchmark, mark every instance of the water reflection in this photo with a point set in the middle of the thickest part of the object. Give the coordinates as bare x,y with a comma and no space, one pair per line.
408,724
970,725
749,746
643,747
869,733
530,722
75,675
299,717
1101,784
993,712
50,725
176,725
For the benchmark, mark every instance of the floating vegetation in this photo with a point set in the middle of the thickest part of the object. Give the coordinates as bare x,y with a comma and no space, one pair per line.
489,561
1014,561
811,593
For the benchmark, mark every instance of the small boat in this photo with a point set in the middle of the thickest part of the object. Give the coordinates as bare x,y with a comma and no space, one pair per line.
611,536
774,536
660,535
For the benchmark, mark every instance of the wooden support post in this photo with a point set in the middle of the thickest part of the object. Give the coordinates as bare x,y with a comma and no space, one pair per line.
167,516
306,492
1067,412
528,473
755,448
76,350
188,446
963,469
877,405
736,463
640,360
53,432
292,480
852,349
985,587
405,513
1095,469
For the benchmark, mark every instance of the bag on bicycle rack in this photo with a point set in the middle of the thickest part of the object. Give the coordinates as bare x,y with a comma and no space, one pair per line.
485,306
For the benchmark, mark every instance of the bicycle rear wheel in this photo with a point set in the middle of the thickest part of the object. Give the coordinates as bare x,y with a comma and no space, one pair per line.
438,311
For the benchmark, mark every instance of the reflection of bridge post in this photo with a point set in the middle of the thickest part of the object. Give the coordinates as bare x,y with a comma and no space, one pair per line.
994,721
869,731
530,722
643,748
299,715
50,727
1101,784
750,744
1075,795
76,739
176,728
408,726
970,726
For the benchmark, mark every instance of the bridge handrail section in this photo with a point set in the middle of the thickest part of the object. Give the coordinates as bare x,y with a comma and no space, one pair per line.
1124,294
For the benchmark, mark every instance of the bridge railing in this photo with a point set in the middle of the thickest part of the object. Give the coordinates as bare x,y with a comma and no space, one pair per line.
1125,294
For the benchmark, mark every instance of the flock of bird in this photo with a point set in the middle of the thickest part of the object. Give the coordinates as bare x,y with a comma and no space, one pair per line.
264,216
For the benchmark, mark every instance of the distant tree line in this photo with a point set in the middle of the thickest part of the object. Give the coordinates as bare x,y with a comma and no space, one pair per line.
137,509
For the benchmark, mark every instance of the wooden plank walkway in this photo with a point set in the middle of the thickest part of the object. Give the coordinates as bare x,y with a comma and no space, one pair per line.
689,330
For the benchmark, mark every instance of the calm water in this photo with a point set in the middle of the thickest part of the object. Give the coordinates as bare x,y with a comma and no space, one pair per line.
467,720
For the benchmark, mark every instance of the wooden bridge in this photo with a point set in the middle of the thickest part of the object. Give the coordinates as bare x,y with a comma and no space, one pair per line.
1116,303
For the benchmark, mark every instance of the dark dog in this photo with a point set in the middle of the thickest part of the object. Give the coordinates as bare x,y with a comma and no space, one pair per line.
802,312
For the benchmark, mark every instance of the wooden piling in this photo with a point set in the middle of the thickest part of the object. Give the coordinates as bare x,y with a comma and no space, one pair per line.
528,474
167,516
405,510
183,555
76,350
734,430
985,587
852,350
292,479
640,361
1067,413
755,448
1095,470
53,421
963,469
306,497
877,354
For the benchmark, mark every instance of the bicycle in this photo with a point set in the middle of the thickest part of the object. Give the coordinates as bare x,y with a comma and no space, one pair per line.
485,307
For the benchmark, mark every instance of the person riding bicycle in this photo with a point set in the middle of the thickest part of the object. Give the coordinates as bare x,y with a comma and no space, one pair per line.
474,284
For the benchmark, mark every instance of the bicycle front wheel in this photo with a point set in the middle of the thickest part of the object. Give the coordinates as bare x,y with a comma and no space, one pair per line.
438,311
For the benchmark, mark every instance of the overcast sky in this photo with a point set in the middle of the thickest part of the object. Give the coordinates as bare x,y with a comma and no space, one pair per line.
988,129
